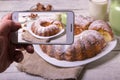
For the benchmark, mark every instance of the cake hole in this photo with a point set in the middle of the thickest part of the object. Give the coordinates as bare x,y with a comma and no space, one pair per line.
77,29
45,24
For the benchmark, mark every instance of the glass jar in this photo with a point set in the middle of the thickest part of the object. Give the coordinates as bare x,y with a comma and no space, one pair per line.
114,16
98,9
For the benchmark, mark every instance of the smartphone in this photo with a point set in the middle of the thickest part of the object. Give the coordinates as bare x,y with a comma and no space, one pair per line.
54,27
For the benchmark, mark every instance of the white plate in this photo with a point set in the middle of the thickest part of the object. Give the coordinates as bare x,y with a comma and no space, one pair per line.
62,63
42,37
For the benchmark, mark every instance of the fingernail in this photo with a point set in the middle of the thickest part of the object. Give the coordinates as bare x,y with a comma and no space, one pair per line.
30,49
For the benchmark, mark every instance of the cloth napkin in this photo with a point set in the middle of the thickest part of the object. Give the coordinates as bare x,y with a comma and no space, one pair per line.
35,65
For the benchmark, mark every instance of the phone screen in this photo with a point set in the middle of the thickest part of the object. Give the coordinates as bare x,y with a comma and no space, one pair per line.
45,27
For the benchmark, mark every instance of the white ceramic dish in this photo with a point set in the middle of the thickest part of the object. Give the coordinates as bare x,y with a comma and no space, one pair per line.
61,63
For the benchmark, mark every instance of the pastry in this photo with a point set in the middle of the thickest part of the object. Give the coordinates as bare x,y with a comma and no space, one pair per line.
46,27
88,44
104,29
41,7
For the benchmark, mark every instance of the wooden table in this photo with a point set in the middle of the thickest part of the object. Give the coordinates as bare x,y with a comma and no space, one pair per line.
105,68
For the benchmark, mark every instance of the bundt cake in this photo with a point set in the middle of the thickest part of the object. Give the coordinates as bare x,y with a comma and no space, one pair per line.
46,27
90,37
88,44
102,27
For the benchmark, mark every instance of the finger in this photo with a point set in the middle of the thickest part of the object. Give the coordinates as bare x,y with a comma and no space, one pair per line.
9,26
29,49
18,46
21,45
7,17
18,56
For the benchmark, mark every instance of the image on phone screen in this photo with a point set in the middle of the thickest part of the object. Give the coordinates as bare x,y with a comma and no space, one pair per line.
44,27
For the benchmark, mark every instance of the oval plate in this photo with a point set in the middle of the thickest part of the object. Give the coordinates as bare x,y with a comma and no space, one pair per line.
42,37
62,63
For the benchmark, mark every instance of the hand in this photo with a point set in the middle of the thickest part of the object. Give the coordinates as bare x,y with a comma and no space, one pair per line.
9,52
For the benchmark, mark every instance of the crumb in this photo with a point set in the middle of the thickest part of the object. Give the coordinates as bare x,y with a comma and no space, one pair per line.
38,4
33,16
40,7
49,7
24,30
25,25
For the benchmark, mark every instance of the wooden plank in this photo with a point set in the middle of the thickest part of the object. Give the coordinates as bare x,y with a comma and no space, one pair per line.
3,14
18,76
12,68
106,68
57,4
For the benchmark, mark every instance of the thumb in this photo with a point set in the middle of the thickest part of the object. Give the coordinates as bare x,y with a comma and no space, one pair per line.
7,26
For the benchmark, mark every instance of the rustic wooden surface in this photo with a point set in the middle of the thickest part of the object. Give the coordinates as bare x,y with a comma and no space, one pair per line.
105,68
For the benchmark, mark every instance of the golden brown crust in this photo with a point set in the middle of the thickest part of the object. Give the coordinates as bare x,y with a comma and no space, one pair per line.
81,23
77,29
89,44
102,27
